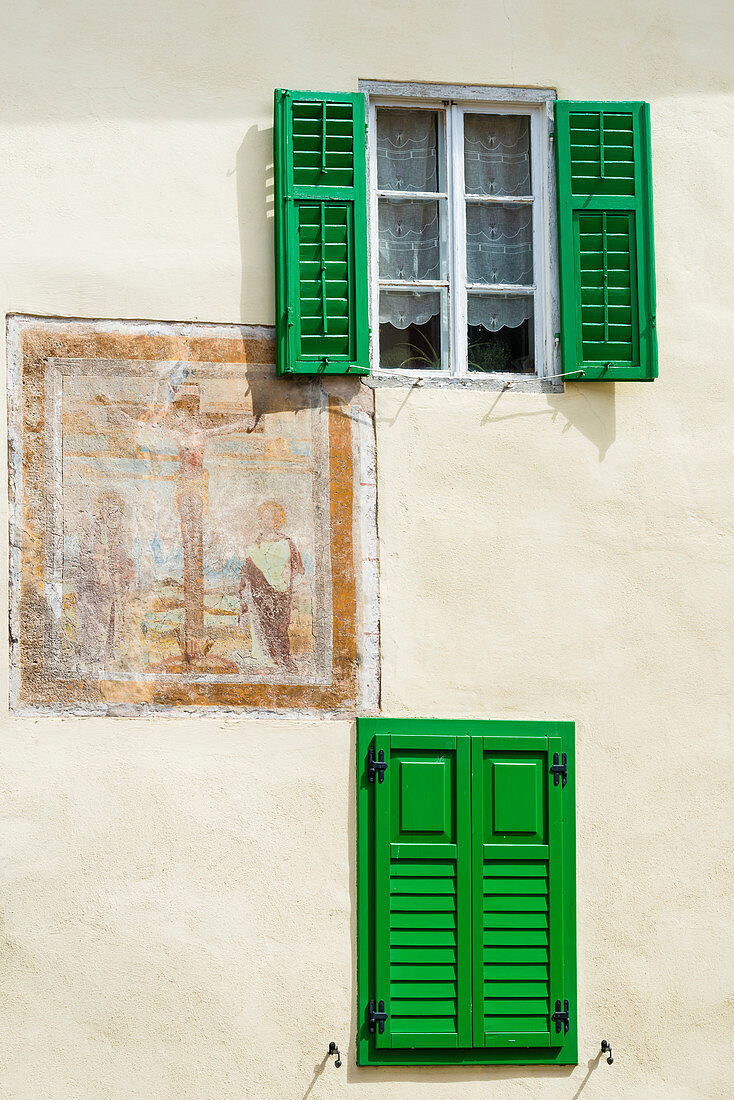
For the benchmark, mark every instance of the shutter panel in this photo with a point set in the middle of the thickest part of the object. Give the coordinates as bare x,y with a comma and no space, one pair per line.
605,231
320,233
518,891
422,892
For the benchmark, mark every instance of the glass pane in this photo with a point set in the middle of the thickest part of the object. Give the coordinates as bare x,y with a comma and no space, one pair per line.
407,150
409,236
499,243
497,154
500,333
410,330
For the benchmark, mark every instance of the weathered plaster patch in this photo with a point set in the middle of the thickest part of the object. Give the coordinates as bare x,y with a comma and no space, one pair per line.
188,531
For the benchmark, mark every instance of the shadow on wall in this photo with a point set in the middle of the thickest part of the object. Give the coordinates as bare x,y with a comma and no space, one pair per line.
589,407
255,198
591,1065
318,1069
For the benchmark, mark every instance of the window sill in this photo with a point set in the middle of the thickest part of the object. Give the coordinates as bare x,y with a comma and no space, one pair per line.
492,382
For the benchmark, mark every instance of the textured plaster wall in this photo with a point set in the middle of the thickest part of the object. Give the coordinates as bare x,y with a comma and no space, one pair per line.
178,895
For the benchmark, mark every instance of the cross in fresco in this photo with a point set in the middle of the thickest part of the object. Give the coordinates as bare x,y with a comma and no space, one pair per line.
183,422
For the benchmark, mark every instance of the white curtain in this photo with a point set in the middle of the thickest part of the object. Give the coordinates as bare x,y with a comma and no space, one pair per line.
496,311
403,308
499,243
406,150
497,154
410,247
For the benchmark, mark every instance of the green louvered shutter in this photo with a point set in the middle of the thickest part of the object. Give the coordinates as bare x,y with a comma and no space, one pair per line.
605,231
519,896
320,233
422,892
466,892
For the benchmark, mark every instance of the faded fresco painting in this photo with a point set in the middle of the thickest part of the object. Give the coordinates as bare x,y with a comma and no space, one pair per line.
190,531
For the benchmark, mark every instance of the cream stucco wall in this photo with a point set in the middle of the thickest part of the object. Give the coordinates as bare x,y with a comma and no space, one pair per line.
178,895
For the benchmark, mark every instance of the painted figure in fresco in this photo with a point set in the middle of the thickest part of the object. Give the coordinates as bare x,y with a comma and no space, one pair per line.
182,421
271,566
104,575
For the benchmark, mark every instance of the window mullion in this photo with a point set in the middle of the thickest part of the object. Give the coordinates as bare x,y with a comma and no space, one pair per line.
458,251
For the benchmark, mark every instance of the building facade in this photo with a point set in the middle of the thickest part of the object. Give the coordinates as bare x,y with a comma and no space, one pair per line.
369,553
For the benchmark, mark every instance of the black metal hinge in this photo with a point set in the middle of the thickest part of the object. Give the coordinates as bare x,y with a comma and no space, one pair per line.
377,1017
376,766
561,1017
559,771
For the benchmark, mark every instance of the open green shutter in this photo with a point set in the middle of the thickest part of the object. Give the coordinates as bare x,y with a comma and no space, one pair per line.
320,233
422,892
605,231
519,898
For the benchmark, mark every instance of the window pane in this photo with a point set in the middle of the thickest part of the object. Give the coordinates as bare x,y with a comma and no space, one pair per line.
497,154
409,237
410,330
407,150
500,333
499,243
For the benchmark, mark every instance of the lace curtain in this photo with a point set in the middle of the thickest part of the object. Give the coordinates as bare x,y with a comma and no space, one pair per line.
407,157
495,311
499,243
410,246
401,308
497,154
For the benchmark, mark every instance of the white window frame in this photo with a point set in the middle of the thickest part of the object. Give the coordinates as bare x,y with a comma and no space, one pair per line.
455,101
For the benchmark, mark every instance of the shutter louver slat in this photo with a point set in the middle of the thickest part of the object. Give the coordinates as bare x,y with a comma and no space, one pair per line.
607,270
320,234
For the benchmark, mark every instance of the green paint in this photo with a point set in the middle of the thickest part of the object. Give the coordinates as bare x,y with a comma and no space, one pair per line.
320,233
605,236
424,798
421,893
516,796
466,884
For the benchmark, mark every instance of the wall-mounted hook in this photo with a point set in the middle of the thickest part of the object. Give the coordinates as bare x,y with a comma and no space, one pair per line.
605,1046
334,1049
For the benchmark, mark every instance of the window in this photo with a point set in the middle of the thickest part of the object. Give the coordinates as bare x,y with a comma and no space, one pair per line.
466,892
465,259
459,234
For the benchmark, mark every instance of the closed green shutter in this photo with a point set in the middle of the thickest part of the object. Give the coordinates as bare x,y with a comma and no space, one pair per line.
466,884
518,891
605,232
320,233
422,892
